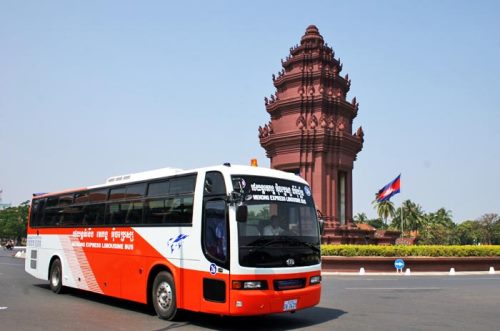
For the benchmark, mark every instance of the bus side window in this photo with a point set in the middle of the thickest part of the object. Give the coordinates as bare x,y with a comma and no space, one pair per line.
182,185
134,191
181,210
94,214
40,219
116,213
134,214
72,216
155,211
53,217
215,230
158,188
35,211
214,184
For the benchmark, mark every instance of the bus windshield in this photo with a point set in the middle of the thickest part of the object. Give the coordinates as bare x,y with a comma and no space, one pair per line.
282,228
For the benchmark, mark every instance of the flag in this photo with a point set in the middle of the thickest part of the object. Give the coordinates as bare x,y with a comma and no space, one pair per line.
389,190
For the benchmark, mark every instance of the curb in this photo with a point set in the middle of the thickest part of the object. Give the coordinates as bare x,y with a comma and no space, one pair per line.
421,273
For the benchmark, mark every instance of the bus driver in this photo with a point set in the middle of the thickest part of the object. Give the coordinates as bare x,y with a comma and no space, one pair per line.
274,228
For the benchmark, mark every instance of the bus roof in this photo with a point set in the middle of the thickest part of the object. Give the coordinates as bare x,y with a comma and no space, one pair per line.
168,172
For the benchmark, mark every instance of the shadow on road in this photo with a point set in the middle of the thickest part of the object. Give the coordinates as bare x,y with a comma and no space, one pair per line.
103,299
286,321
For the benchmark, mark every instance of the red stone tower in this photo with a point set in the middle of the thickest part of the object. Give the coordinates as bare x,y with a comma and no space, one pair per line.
310,132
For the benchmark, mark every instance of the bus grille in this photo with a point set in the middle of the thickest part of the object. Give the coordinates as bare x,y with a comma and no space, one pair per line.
289,284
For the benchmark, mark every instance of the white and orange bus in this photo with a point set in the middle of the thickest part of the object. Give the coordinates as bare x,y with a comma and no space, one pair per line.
228,240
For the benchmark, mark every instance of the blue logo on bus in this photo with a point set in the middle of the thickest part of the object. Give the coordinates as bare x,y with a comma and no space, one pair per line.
176,243
213,269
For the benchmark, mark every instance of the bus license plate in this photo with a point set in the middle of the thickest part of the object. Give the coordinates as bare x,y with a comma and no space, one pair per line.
290,305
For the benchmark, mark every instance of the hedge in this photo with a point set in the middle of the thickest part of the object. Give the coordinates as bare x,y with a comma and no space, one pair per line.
400,250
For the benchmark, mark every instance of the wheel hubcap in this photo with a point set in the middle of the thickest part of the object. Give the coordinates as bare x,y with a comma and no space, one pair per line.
164,295
56,275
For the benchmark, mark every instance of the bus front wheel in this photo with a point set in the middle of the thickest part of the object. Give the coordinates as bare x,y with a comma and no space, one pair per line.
55,276
164,298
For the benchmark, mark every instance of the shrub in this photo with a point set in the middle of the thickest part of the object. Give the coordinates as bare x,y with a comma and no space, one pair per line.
401,251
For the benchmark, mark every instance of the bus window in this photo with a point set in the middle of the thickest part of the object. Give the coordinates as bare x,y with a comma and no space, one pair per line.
66,199
70,215
82,197
117,193
181,211
52,216
98,196
182,185
94,214
37,210
136,190
158,188
51,202
116,213
214,184
134,214
215,230
156,211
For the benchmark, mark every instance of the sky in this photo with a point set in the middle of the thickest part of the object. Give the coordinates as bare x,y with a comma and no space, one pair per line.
93,89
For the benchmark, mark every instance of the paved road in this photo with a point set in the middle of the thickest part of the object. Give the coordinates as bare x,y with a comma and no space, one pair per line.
348,303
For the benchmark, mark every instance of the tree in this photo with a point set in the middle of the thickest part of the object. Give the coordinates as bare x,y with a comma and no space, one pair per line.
469,233
13,222
496,233
378,224
489,224
442,216
385,209
360,218
413,217
438,229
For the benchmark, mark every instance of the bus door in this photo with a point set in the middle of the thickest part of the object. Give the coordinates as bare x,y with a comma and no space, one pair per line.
215,239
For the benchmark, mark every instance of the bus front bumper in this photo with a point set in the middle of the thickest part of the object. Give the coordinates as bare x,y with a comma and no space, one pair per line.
261,302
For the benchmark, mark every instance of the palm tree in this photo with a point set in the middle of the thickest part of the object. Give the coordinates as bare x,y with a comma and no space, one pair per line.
413,216
385,209
443,217
360,218
440,228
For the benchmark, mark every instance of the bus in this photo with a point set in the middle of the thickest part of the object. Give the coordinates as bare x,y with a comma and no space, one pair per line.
227,240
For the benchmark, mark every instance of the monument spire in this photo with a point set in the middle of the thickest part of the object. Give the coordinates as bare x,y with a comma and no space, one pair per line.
312,126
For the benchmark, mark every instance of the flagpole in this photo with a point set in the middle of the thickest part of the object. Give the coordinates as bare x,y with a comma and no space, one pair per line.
402,216
402,230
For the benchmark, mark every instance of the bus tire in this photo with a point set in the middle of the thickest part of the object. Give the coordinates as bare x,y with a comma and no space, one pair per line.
163,296
55,276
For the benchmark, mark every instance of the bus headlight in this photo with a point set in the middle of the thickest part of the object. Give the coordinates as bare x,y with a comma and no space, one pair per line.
315,280
252,285
249,285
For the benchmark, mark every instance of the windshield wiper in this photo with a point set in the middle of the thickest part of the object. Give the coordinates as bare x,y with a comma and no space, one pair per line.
282,239
303,243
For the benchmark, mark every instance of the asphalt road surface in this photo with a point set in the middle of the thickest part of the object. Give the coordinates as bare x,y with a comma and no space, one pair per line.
348,303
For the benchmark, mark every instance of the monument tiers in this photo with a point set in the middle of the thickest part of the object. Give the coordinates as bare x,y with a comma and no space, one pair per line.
311,134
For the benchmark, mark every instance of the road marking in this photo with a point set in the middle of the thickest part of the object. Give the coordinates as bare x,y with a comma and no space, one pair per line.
394,288
481,278
3,308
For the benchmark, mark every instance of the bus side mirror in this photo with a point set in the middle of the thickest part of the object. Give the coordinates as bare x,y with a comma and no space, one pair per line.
321,222
242,213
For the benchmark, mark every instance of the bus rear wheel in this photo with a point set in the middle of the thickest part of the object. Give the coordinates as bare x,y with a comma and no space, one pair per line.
55,276
163,296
